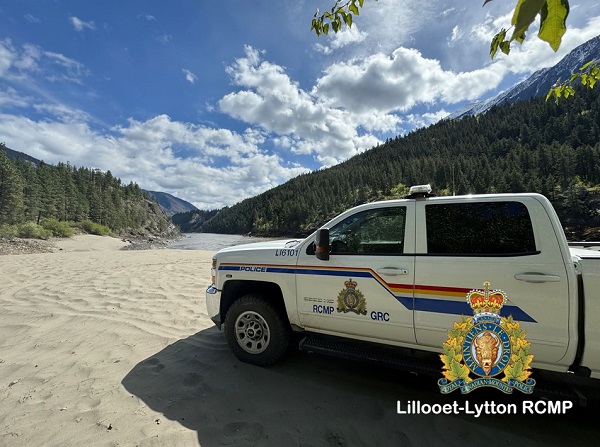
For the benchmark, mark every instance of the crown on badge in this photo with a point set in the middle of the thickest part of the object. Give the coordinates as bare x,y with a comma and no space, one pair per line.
350,284
486,301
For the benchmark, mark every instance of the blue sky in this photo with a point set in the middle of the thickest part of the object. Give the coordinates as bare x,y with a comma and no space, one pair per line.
218,101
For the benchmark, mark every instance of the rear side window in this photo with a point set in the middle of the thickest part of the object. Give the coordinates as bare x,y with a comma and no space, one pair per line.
484,228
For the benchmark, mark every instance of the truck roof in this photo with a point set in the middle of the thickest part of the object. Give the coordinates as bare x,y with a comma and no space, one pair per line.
465,197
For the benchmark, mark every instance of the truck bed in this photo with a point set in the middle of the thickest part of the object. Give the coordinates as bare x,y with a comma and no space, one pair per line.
589,265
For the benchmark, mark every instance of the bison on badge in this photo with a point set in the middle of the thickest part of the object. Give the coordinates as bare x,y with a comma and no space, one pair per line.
486,351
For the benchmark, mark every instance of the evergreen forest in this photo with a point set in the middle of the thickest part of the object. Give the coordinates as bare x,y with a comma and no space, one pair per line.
532,146
37,192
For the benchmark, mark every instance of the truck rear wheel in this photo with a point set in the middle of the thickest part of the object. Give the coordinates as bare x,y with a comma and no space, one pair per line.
256,331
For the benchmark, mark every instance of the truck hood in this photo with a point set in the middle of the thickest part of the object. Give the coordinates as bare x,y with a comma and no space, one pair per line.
262,246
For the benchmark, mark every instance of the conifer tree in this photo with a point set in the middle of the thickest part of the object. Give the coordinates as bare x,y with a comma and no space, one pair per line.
11,192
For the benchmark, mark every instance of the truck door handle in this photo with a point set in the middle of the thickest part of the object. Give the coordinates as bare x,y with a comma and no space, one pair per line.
536,277
392,271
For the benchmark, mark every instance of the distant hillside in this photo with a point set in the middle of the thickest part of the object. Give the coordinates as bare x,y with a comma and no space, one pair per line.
16,155
540,82
193,221
171,204
534,146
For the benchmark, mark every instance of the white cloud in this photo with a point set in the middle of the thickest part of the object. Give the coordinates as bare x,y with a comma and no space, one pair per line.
32,19
11,98
347,36
272,101
28,58
165,38
18,64
62,112
319,48
456,35
7,56
255,136
80,25
69,69
427,119
486,30
400,81
189,76
391,24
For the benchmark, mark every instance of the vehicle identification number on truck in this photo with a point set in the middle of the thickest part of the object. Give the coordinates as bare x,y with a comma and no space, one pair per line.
287,252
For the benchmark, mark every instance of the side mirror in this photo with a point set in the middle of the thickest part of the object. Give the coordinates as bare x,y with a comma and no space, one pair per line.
322,244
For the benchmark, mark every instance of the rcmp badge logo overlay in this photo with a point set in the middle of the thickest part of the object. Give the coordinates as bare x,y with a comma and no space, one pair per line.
351,299
487,346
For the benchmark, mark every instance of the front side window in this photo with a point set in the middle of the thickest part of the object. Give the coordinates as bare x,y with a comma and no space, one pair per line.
484,228
375,231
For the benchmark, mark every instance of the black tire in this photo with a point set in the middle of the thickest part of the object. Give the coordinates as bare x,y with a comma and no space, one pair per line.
256,331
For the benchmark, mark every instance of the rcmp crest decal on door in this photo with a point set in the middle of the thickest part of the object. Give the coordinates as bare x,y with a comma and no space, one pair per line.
487,346
351,299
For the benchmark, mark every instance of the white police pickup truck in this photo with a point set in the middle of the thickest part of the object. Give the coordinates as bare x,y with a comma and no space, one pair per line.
396,273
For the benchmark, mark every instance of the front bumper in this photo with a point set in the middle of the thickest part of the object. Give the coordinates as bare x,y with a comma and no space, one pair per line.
213,305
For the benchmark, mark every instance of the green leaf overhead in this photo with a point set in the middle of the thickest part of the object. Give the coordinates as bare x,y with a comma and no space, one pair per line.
553,22
524,15
496,41
588,74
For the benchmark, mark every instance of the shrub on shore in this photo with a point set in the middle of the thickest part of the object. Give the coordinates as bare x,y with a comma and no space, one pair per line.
31,230
94,228
58,229
52,227
8,231
27,230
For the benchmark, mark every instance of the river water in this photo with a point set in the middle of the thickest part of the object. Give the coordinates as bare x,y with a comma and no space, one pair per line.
212,242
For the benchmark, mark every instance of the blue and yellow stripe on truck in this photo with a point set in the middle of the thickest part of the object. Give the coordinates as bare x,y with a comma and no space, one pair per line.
415,297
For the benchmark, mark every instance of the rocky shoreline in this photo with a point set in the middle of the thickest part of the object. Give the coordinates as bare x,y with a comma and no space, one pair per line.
146,242
19,246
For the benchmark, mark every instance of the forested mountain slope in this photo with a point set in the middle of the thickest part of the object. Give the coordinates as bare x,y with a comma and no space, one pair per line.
33,192
533,146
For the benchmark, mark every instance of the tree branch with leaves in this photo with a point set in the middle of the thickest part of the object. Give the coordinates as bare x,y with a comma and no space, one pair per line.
341,14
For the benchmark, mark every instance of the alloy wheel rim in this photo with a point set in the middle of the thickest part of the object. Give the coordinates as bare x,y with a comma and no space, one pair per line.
252,332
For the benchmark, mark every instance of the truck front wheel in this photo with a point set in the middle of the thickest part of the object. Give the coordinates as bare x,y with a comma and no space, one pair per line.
256,332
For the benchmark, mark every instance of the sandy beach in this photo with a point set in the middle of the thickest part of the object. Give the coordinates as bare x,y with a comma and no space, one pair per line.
101,346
